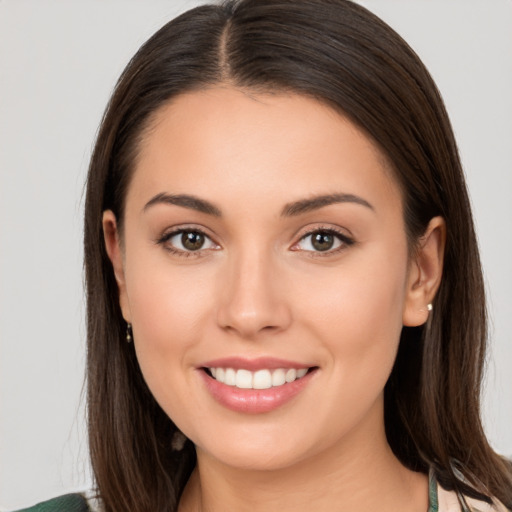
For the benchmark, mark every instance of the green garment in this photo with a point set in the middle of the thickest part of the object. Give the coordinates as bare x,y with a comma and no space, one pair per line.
66,503
78,503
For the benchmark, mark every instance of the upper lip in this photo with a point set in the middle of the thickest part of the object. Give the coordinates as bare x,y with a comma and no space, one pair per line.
259,363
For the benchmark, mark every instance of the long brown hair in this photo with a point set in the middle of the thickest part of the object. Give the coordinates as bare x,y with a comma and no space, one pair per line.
338,53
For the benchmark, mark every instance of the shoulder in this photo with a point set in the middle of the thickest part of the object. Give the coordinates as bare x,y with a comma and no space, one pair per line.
443,500
66,503
449,502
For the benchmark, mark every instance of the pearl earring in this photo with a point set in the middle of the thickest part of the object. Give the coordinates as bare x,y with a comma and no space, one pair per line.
429,307
128,333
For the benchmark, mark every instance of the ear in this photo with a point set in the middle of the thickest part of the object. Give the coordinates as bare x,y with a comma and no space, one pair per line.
425,272
115,254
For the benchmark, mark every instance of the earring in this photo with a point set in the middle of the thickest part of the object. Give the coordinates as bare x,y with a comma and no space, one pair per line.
128,333
429,307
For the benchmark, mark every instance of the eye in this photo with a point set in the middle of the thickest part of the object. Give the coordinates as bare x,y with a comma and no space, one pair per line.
323,240
187,241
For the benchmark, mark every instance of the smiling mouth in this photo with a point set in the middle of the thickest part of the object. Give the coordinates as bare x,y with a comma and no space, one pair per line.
260,379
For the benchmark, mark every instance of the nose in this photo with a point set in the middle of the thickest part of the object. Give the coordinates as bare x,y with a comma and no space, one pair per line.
253,297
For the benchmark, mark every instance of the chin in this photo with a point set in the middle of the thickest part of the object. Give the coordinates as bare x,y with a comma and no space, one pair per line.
248,458
263,449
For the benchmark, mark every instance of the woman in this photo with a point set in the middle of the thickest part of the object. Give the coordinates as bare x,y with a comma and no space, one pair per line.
285,301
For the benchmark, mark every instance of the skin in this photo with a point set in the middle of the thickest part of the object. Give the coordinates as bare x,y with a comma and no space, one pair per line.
259,288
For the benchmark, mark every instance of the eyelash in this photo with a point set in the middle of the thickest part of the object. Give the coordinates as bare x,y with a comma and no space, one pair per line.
345,240
179,252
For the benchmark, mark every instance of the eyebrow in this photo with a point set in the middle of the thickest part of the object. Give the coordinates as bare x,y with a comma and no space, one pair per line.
290,209
185,200
316,202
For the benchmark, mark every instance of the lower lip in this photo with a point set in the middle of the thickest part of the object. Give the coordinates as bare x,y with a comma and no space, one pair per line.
255,401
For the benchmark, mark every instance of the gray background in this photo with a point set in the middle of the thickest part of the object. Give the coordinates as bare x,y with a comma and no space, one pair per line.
59,61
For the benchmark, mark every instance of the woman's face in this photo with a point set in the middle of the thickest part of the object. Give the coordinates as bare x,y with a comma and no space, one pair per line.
263,237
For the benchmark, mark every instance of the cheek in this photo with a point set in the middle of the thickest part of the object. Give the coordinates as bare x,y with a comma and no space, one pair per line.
165,299
367,285
168,308
357,310
357,318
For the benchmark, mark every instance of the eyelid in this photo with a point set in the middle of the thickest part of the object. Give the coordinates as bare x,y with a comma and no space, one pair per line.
177,230
345,239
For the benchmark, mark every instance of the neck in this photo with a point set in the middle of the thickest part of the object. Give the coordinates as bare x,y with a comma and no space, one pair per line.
360,473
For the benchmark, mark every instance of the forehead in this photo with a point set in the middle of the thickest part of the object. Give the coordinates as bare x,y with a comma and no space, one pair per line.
231,144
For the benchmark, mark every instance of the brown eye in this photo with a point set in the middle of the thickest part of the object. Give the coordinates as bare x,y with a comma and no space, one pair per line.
192,240
187,241
322,241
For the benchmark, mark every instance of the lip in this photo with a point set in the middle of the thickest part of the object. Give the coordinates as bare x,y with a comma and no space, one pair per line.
254,401
253,365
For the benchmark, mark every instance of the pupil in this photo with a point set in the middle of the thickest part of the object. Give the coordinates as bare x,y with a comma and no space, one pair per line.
192,240
323,241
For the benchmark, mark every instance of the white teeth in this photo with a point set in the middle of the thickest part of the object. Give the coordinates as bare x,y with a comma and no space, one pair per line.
278,377
291,375
243,379
230,377
261,379
220,374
